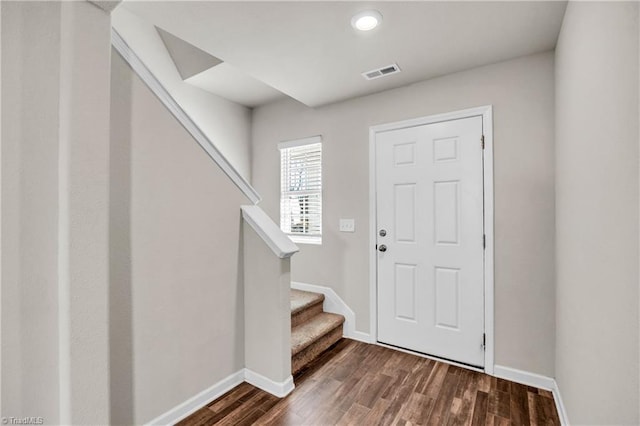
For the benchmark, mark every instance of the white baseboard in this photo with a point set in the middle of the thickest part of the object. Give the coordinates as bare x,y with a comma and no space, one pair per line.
538,381
562,411
524,377
335,305
279,389
198,401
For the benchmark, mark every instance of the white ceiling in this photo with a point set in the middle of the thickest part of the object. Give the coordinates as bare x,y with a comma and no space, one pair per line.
231,83
309,51
209,73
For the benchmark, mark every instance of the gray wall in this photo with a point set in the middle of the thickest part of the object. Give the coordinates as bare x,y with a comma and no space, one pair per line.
55,78
30,84
597,213
176,303
522,94
267,320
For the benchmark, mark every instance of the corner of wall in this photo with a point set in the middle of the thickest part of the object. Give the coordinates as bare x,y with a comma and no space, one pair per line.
603,38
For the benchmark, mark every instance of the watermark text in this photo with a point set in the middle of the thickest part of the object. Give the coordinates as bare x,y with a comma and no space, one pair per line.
29,420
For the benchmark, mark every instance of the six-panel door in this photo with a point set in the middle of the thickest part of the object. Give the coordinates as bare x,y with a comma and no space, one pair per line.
430,203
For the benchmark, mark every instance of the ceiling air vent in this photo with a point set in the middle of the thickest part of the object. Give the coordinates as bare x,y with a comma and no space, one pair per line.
381,72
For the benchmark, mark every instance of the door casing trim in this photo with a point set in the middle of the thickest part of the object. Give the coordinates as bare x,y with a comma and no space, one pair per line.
486,112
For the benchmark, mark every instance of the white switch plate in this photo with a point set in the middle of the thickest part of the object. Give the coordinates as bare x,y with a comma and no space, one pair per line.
347,225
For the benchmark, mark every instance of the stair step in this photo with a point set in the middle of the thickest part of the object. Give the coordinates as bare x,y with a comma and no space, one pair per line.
304,306
300,300
310,339
306,334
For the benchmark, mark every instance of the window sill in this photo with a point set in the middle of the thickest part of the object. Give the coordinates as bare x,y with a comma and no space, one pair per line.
306,239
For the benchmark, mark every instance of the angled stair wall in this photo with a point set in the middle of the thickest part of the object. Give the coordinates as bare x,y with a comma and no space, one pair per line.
218,283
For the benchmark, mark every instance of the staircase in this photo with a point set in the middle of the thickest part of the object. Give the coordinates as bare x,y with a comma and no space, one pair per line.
312,330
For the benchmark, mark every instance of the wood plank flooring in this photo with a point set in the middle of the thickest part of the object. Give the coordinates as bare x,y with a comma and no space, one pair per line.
355,383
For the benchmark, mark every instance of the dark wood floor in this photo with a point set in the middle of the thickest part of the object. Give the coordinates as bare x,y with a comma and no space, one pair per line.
360,384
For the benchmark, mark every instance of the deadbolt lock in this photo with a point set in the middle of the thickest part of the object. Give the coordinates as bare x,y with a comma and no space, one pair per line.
383,232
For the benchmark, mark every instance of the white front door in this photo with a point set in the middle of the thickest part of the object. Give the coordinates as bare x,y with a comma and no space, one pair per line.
429,182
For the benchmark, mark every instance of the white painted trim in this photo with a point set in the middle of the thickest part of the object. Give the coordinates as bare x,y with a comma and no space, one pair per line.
335,305
538,381
373,231
300,142
437,118
315,240
524,377
489,308
486,112
183,118
270,233
562,410
360,336
196,402
279,389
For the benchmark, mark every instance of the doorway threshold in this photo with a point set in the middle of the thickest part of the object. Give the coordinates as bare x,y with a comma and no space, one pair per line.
433,357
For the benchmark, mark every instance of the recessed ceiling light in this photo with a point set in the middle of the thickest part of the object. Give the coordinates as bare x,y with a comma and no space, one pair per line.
367,20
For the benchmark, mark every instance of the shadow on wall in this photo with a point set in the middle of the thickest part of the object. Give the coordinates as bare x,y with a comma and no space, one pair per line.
120,291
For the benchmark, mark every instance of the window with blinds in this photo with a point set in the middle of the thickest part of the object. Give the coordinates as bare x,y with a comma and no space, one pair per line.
301,189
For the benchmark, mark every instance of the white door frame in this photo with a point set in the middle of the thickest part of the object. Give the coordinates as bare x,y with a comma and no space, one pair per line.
486,112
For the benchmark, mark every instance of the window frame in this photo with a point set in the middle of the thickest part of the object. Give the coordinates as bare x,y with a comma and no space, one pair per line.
299,238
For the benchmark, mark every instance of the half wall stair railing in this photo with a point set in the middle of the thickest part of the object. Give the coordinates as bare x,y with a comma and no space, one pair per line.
266,278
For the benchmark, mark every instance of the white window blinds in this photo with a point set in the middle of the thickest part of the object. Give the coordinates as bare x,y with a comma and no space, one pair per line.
301,190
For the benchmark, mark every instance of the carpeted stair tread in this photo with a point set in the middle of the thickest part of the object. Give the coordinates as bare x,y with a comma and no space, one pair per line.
307,355
307,333
301,300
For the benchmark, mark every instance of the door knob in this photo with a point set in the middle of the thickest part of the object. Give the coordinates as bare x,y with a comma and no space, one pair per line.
382,248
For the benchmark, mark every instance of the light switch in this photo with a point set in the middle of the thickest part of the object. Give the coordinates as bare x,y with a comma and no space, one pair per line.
347,225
